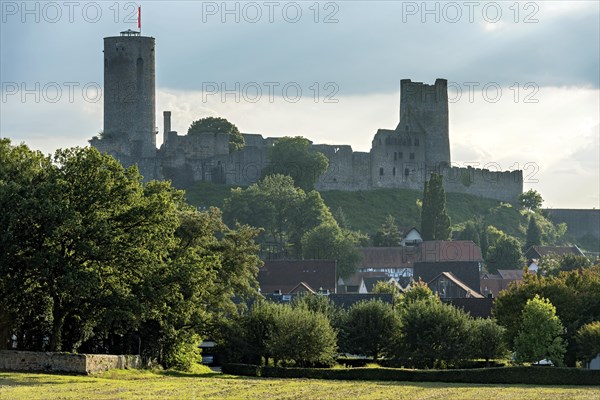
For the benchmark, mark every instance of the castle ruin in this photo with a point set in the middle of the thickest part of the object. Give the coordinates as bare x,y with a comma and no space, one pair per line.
399,158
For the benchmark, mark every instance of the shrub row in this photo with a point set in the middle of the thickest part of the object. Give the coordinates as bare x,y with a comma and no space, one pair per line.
507,375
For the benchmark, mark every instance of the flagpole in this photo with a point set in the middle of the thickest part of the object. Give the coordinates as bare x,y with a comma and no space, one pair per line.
140,19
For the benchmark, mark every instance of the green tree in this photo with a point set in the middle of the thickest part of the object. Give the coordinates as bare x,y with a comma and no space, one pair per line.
435,222
383,287
418,291
101,262
341,218
505,254
588,341
214,125
330,242
534,234
388,234
575,295
488,339
471,232
369,328
433,334
531,200
302,337
285,212
293,156
484,242
540,336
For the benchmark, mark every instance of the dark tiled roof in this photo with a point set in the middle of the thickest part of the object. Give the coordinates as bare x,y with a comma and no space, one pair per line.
469,292
465,271
511,274
285,275
389,257
347,300
477,307
535,252
432,251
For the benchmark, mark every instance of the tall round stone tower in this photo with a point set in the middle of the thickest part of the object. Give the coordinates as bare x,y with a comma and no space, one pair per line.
129,92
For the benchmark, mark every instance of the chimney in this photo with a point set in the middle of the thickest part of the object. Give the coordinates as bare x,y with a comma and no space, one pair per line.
167,126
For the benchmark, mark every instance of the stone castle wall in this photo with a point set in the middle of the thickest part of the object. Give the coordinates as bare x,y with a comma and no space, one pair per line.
580,223
11,360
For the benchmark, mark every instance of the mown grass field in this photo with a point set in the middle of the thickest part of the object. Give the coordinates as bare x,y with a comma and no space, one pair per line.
170,385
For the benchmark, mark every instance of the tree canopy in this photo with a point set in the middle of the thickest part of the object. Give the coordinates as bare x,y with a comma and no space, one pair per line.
435,222
96,261
388,234
505,254
212,125
540,334
293,156
575,294
531,200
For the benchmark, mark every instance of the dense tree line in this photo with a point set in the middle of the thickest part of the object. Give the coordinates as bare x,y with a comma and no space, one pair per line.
94,260
295,223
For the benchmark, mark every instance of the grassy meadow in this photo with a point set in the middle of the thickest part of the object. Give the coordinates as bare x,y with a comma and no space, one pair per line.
119,384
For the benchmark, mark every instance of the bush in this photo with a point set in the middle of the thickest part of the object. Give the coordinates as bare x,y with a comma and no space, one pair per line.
302,337
433,334
508,375
369,328
588,341
487,339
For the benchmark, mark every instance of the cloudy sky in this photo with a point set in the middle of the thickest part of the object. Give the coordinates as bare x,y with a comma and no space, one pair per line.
524,77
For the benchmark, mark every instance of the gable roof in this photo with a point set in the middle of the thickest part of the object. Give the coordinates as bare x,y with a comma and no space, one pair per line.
286,275
448,275
302,287
370,282
511,274
535,252
466,271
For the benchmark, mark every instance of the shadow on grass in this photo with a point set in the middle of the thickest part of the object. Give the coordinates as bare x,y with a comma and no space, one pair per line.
37,378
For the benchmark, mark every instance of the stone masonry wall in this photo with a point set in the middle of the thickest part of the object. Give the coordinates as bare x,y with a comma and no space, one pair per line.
11,360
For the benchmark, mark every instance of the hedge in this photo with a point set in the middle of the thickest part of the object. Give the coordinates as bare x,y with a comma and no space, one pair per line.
506,375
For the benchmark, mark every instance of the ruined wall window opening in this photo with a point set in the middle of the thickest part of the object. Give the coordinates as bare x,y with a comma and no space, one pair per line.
406,171
412,156
394,171
381,171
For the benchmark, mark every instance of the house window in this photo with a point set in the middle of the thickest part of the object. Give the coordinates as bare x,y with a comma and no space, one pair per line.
395,156
400,155
394,171
406,171
406,127
381,171
412,156
416,142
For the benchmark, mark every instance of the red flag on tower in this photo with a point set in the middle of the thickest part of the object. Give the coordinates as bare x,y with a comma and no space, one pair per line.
140,17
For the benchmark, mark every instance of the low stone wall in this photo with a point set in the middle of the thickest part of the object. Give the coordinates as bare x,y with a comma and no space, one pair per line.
11,360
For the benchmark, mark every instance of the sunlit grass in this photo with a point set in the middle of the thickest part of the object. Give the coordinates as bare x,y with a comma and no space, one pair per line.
119,384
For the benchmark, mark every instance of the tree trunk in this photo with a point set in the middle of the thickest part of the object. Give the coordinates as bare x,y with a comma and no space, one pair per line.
57,326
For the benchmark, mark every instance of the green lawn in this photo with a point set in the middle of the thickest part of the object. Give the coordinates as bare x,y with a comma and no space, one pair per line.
145,385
